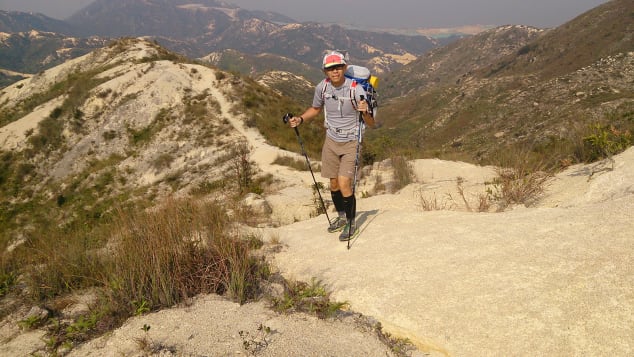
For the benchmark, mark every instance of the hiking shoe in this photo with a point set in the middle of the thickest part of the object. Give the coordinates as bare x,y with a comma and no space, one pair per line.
337,224
349,232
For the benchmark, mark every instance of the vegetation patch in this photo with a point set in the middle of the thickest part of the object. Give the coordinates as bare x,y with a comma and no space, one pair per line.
295,163
310,297
139,260
264,110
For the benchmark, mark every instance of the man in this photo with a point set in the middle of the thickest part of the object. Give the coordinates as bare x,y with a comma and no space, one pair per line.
341,100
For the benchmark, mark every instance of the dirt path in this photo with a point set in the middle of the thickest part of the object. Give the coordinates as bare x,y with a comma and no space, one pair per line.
294,200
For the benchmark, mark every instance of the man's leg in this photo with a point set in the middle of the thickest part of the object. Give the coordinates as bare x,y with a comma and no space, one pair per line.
349,201
340,221
350,206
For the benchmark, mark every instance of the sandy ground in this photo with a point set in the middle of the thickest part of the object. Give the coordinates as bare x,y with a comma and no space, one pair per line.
555,279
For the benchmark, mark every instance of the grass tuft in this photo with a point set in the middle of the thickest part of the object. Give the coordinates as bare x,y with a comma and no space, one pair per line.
310,297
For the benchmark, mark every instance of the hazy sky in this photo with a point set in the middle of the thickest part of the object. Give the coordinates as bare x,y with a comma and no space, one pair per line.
381,13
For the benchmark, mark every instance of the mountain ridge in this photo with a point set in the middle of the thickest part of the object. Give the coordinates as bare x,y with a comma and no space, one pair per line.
199,29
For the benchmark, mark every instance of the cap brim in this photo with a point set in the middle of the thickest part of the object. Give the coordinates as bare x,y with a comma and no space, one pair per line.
334,64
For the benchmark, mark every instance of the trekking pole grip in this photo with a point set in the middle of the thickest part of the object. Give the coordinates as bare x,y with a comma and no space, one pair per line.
288,117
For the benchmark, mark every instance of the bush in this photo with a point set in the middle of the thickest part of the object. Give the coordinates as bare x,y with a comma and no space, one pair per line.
154,258
243,169
163,161
177,251
297,164
311,298
605,141
522,176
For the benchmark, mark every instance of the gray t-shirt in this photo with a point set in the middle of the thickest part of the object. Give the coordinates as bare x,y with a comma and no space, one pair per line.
341,119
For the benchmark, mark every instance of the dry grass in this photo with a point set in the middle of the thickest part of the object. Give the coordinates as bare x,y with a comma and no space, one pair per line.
297,164
483,200
433,203
521,179
144,260
516,186
403,172
179,250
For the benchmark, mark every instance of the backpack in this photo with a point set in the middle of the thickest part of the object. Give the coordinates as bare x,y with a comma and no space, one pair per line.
360,76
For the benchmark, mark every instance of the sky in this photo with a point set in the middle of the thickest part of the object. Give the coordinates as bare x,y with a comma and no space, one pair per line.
380,13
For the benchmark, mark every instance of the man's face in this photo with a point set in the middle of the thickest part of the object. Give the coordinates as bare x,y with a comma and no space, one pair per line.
335,73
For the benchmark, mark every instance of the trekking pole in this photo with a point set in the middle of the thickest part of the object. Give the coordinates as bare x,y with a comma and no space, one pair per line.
285,119
356,167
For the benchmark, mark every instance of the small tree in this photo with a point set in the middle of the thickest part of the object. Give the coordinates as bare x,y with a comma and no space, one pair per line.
242,167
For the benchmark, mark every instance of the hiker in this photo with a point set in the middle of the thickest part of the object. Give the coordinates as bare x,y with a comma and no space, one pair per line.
341,99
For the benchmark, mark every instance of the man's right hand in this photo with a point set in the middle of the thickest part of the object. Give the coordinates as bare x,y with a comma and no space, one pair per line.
295,121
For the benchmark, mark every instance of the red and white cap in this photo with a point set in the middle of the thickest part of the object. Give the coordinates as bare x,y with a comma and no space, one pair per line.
333,58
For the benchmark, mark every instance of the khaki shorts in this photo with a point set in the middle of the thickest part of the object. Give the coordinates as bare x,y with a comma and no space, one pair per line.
337,159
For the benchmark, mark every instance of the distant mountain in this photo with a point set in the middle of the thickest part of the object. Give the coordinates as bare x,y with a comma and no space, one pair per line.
34,51
598,33
448,64
14,21
517,88
176,19
255,65
198,29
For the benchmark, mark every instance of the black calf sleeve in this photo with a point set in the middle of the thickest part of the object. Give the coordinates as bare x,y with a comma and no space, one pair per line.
337,200
350,204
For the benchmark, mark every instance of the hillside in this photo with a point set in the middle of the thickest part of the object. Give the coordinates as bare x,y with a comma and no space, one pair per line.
86,138
599,33
89,132
453,280
448,65
132,123
543,94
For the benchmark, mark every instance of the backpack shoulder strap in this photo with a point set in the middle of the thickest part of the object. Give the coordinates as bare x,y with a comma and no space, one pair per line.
323,89
353,92
323,99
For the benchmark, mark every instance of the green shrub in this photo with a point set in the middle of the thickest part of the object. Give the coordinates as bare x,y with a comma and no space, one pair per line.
7,280
307,297
49,135
605,141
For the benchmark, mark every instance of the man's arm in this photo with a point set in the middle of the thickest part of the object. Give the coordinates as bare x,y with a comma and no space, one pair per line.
308,115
